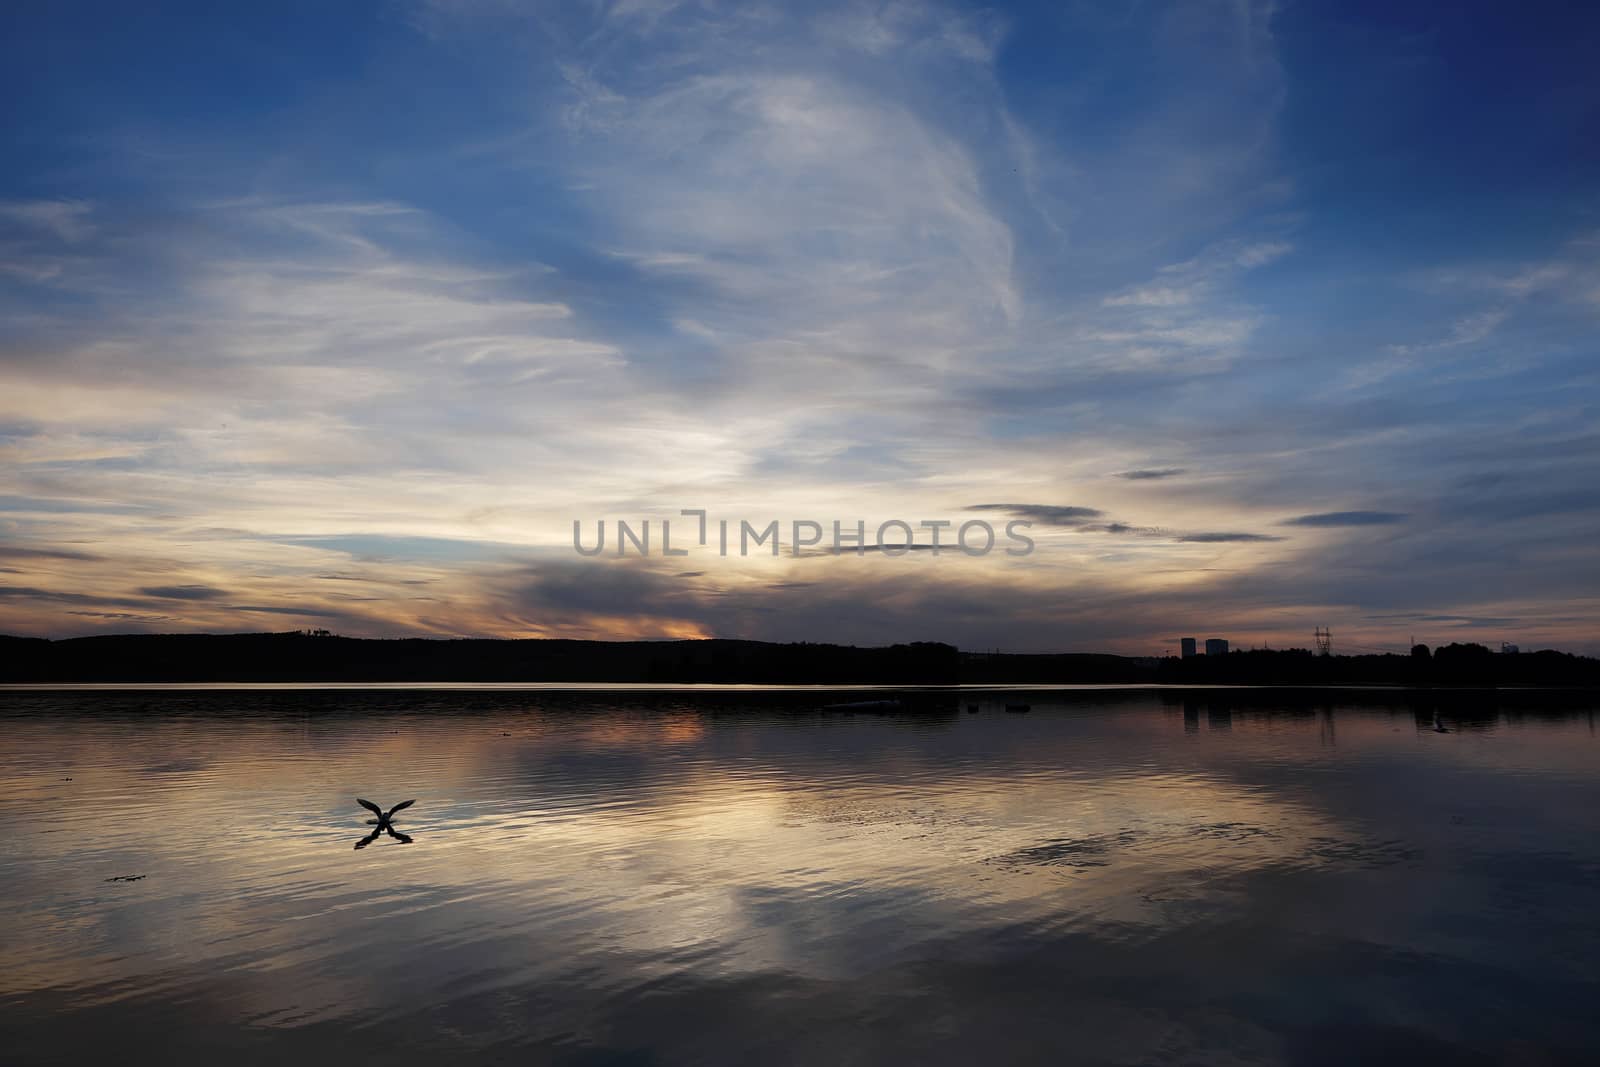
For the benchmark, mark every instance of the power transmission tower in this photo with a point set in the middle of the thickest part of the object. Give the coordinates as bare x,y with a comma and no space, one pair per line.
1324,641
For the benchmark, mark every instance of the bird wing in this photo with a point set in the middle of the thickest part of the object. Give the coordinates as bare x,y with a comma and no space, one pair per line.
370,806
399,806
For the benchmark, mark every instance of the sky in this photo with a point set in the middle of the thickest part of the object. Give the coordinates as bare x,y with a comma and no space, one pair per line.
1265,316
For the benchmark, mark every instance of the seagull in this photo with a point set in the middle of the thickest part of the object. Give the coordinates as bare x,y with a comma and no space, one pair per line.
383,818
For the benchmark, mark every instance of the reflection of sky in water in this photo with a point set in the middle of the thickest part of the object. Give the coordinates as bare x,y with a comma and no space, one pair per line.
689,878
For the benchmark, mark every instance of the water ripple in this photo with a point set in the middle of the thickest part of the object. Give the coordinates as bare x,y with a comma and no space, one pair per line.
596,876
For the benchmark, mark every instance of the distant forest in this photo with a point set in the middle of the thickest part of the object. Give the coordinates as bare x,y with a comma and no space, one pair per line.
319,656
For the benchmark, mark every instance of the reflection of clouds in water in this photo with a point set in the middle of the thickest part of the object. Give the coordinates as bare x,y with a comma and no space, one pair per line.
592,855
601,821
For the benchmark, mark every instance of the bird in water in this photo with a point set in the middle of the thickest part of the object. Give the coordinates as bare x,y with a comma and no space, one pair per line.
383,817
383,824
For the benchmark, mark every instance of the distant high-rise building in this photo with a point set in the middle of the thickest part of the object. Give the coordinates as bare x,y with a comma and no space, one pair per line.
1216,646
1188,647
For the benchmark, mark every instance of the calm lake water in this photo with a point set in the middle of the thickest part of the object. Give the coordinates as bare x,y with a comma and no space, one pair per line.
704,878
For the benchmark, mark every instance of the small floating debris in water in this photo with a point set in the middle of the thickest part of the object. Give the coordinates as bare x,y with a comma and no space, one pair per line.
865,705
125,878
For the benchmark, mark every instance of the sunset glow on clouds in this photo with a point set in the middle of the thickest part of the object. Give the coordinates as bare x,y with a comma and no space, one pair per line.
339,319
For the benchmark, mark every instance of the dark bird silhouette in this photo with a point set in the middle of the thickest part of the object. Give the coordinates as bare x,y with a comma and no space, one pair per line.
383,824
383,817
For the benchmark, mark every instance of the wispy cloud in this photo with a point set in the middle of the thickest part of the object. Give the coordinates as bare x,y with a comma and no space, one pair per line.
183,592
1347,518
1055,514
66,220
1468,330
1219,538
1143,474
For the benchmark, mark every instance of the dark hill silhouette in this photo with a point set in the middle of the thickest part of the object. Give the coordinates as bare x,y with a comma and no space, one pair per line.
322,657
326,658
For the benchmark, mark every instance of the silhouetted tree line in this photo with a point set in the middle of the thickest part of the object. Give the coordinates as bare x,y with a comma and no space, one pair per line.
322,657
1453,664
325,657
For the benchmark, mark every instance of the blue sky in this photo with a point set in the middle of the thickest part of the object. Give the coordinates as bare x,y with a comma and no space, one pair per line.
346,312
